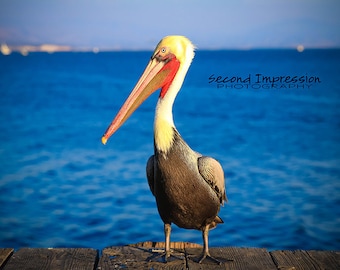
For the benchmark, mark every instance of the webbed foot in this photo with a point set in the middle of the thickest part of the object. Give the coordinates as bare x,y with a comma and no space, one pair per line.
206,256
160,255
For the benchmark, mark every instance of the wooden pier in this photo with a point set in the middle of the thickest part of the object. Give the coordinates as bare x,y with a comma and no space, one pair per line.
144,256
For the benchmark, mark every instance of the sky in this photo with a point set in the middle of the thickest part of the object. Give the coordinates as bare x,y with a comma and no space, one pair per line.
140,24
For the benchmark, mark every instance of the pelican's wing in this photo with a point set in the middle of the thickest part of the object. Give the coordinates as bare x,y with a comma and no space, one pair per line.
212,172
150,173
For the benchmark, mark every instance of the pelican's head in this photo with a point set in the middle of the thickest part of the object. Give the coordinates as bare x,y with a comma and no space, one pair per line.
171,57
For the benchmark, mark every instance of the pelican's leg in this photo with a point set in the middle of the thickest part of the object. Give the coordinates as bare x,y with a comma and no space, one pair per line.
167,253
167,232
205,253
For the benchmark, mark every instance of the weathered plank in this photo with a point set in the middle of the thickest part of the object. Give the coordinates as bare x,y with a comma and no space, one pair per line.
233,258
326,259
144,256
5,253
53,259
306,260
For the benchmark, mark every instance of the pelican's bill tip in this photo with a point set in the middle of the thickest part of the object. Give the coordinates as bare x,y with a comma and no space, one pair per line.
104,140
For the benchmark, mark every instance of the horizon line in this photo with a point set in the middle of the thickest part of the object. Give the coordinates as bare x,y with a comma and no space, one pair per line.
51,48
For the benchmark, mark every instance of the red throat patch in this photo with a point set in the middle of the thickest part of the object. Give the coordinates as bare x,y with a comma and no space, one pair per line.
172,67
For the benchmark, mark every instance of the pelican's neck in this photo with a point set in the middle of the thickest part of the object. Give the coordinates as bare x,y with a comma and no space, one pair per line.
164,124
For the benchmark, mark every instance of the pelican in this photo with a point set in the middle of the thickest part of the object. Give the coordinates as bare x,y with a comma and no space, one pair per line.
189,187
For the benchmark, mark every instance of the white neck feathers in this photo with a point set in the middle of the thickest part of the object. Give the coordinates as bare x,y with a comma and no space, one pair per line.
164,124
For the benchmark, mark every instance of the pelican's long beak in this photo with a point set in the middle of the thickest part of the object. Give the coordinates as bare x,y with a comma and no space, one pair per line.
155,76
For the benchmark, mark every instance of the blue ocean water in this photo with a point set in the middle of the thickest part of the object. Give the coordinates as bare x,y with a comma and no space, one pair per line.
277,140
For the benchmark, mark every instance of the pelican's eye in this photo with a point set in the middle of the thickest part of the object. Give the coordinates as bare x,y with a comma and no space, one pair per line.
162,54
